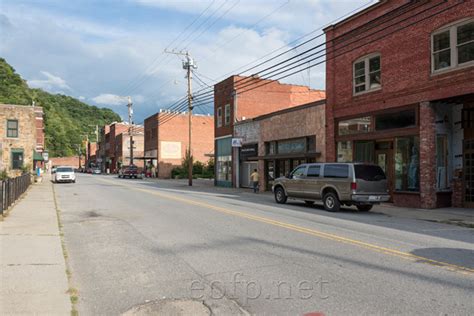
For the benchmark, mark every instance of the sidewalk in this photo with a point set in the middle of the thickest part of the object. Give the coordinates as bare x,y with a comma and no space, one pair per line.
32,267
450,215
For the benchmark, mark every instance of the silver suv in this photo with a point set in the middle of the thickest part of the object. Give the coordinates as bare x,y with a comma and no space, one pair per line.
336,184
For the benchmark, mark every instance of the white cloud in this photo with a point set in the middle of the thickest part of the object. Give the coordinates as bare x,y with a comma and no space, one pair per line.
82,98
52,83
103,60
110,99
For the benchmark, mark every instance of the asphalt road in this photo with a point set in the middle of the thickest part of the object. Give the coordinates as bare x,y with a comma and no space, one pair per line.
136,241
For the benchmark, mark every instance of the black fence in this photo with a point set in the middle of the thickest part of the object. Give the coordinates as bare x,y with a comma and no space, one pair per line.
12,189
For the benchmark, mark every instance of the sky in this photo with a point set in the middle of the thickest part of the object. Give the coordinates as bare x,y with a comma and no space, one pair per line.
101,51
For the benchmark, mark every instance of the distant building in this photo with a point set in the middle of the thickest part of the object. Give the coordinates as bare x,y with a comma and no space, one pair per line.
400,94
111,156
122,149
238,98
277,142
166,143
21,138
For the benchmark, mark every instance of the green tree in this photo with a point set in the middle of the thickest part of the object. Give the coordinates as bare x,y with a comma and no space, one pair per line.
66,119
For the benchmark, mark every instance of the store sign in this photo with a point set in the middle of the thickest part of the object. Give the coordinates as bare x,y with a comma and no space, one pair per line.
249,150
170,150
45,156
236,142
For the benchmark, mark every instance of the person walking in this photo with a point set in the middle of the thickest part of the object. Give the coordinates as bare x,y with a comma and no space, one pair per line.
254,179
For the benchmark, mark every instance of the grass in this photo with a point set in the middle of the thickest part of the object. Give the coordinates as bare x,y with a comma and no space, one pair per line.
72,291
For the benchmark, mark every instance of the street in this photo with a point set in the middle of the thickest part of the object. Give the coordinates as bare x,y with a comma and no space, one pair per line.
130,242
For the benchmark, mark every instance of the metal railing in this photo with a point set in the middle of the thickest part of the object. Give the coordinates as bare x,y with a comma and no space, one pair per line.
12,189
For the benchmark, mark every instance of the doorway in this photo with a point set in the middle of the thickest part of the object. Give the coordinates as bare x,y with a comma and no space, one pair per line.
384,159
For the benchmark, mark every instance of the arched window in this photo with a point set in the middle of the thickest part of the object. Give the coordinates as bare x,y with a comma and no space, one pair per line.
367,73
453,46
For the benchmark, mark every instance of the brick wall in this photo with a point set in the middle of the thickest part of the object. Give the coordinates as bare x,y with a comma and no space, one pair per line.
267,98
27,135
175,133
427,156
72,161
405,51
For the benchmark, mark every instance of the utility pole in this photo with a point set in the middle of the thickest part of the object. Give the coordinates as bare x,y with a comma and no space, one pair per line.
188,65
130,130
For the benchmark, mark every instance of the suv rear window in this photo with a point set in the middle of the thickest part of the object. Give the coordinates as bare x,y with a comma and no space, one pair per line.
64,170
369,173
336,171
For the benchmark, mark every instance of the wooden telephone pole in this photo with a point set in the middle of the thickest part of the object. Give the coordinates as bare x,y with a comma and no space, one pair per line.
188,65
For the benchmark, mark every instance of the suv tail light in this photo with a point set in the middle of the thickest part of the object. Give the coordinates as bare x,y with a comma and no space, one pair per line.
354,186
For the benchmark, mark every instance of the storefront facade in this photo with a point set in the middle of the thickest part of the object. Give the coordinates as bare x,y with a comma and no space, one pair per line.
277,142
403,100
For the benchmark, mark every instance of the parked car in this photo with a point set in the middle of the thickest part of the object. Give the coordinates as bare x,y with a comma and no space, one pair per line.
336,184
96,171
130,171
64,174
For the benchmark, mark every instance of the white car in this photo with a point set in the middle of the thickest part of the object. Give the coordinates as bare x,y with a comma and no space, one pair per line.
65,174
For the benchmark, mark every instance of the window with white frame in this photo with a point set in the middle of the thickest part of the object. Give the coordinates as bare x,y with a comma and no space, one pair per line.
453,46
219,116
367,74
227,114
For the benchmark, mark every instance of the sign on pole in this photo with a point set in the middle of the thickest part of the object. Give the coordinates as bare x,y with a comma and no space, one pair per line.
236,142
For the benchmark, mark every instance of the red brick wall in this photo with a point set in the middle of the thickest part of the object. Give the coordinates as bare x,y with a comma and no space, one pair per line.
66,161
427,156
177,130
269,98
405,59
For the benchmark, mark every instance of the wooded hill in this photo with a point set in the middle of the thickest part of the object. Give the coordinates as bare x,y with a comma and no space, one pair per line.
66,119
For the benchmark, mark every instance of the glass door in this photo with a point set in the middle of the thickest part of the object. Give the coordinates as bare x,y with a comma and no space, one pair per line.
384,159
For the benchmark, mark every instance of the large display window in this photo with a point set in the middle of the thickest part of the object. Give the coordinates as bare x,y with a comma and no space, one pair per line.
407,164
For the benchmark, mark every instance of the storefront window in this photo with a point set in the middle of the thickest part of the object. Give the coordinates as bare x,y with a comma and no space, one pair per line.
292,146
344,151
358,125
224,161
224,168
407,164
364,151
395,120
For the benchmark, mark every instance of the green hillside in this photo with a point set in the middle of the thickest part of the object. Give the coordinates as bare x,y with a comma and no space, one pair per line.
67,119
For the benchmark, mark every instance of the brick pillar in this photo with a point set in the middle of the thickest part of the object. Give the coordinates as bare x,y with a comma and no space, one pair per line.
457,196
330,136
427,155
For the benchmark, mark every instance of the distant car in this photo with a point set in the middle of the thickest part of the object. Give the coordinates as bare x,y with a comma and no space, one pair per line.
336,184
130,171
96,171
65,174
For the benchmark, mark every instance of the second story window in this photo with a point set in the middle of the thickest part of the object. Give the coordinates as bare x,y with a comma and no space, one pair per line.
453,46
367,74
219,116
227,114
12,128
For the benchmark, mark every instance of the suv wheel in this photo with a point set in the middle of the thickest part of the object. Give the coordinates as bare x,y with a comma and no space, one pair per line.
364,208
331,202
280,196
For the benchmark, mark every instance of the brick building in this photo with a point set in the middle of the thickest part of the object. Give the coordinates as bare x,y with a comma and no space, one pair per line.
277,142
166,144
238,98
111,156
103,148
122,148
400,93
21,138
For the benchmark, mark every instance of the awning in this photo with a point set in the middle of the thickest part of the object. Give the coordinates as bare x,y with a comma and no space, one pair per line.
37,156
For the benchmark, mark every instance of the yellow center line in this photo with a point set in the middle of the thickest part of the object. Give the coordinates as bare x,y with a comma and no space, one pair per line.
308,231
